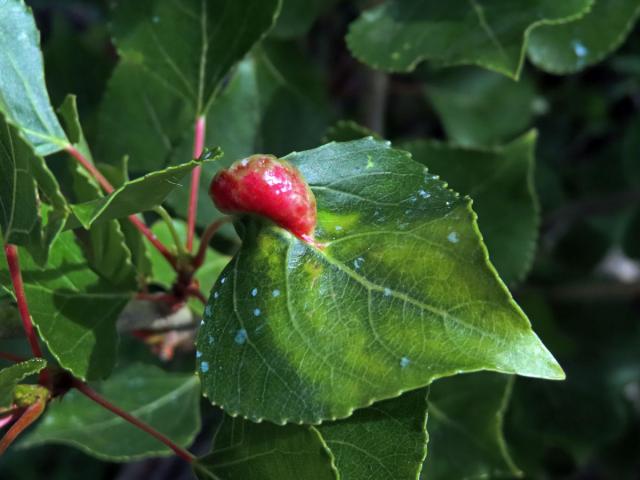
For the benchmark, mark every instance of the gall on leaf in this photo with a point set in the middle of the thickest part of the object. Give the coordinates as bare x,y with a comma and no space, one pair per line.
272,188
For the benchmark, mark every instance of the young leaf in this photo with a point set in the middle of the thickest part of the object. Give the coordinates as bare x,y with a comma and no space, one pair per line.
398,34
104,244
189,46
386,440
169,402
263,451
500,182
571,47
23,93
74,309
401,294
11,376
134,196
466,415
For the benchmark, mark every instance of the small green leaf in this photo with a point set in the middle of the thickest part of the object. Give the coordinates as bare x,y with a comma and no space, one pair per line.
189,46
479,108
571,47
169,402
466,414
398,34
385,441
500,182
401,294
11,376
74,309
23,93
104,244
263,451
134,196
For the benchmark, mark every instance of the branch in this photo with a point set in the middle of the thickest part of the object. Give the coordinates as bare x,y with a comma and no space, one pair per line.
96,397
198,145
11,253
107,187
29,416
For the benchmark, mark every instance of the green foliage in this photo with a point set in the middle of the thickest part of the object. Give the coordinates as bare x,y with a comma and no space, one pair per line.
24,99
397,35
166,401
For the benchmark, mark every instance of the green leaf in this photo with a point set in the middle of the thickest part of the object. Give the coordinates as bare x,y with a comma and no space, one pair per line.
140,119
74,309
387,440
294,333
20,222
11,376
466,415
134,196
297,16
104,244
346,130
164,275
274,85
189,46
23,93
571,47
21,172
168,402
500,182
10,322
482,108
398,34
263,451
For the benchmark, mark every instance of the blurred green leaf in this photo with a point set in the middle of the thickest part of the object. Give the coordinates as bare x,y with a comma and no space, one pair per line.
309,334
189,46
73,308
297,16
397,35
500,182
479,108
465,428
11,376
168,402
263,451
572,46
386,440
23,93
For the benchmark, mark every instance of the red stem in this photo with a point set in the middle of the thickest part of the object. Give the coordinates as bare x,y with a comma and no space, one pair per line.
208,234
29,416
10,357
107,187
198,145
96,397
11,253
